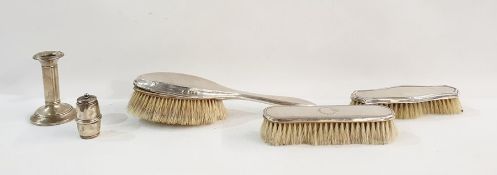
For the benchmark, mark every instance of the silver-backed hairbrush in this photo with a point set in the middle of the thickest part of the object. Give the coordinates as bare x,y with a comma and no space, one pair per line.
181,99
410,102
328,125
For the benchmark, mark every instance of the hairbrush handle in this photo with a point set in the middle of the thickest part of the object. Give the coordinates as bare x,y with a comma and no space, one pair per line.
277,100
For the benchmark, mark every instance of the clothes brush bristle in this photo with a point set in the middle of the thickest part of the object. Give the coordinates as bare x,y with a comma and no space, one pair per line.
330,133
414,110
175,111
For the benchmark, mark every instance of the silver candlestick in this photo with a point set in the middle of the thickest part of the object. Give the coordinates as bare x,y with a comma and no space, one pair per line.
53,112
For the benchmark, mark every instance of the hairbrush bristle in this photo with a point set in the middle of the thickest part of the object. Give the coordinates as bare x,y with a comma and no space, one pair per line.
414,110
329,133
175,111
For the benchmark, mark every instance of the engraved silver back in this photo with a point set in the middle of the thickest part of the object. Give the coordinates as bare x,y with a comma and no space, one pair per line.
181,85
404,94
185,86
332,113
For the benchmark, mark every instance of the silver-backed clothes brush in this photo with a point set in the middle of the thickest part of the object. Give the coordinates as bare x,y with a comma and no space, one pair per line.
328,125
181,99
412,101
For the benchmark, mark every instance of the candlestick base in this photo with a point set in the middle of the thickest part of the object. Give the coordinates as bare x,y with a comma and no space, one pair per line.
50,115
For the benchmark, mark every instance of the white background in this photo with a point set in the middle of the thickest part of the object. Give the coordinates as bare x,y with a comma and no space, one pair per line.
320,50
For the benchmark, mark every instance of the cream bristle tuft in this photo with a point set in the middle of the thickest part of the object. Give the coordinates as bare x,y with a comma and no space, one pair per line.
329,133
175,111
414,110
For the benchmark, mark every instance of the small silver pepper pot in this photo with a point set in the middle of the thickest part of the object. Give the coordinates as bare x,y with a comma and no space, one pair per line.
54,112
88,116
